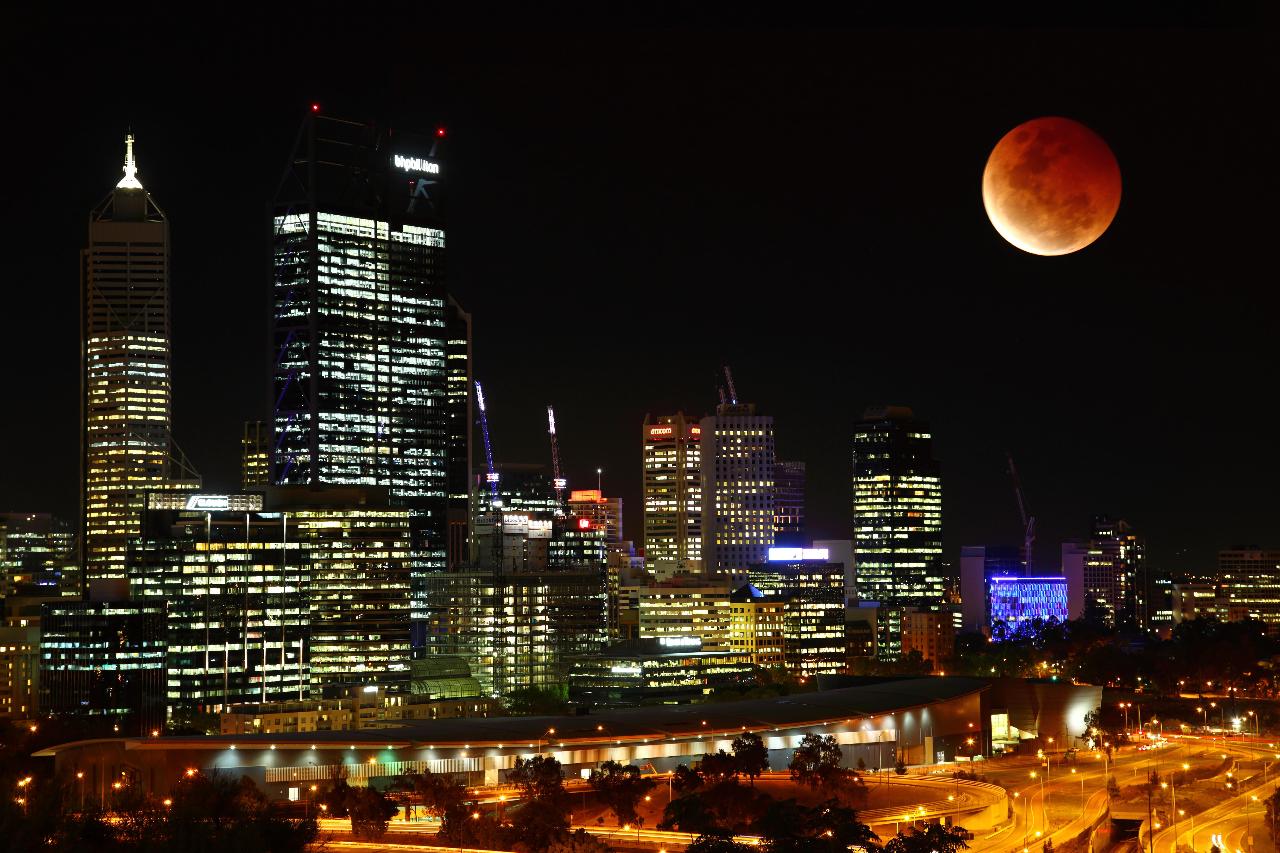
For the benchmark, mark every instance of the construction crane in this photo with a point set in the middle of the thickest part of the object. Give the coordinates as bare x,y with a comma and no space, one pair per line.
1028,521
558,481
491,476
728,381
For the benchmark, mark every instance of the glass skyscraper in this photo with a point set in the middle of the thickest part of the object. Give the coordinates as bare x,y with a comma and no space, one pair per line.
126,391
897,511
371,356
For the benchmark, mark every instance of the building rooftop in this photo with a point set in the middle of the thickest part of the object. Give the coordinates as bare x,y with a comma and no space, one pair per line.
797,710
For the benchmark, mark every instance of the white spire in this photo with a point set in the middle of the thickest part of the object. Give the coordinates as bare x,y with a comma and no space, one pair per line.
130,180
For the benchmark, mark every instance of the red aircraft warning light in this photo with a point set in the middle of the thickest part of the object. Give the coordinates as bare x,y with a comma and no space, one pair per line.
440,132
315,108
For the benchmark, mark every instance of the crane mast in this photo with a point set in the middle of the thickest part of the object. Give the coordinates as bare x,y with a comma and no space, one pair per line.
558,481
728,381
492,475
1028,521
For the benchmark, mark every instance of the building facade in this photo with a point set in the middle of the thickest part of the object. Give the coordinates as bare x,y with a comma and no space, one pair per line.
369,350
788,506
671,448
126,384
1015,600
739,506
932,633
605,513
654,672
814,638
897,512
1115,574
687,606
1249,584
255,456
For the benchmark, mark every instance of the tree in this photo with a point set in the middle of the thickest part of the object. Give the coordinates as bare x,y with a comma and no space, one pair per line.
538,778
337,794
717,842
828,827
900,768
620,787
718,766
816,761
370,811
690,814
686,779
539,822
578,842
751,755
935,838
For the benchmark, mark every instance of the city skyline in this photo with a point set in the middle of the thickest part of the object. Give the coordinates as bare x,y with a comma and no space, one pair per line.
1104,429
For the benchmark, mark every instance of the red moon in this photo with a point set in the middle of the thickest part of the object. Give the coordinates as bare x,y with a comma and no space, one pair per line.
1051,186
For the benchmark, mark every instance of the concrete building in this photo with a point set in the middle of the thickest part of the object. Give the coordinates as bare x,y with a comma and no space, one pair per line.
1197,600
255,456
19,672
671,450
812,588
739,506
930,632
917,720
1115,577
360,711
604,513
757,626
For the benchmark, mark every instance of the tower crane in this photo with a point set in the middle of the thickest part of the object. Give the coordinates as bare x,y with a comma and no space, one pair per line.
558,481
1028,522
728,381
492,475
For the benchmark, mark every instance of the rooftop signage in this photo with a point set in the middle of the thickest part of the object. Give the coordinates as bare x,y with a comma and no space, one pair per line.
416,164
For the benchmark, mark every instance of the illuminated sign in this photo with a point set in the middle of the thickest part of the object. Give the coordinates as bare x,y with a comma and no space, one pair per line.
680,642
416,164
584,524
585,496
625,670
787,555
661,431
695,430
208,502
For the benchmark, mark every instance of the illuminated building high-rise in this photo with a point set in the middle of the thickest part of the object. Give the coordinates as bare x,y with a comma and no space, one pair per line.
671,448
126,392
738,488
371,355
788,506
897,512
1115,573
255,456
605,513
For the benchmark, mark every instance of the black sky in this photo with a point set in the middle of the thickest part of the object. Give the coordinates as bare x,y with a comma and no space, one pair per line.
628,212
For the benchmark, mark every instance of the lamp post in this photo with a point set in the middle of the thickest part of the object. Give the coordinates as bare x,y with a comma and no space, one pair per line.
543,737
1173,807
1073,773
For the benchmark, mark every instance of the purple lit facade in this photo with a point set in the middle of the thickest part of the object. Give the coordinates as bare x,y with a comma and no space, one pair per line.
1014,600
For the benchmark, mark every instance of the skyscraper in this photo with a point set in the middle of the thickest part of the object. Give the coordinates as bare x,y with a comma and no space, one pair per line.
897,510
738,488
371,355
671,448
126,393
1115,572
788,508
255,456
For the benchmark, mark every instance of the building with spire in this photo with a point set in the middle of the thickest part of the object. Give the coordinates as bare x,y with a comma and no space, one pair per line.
126,445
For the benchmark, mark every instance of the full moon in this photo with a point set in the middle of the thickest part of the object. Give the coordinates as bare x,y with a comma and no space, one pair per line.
1051,186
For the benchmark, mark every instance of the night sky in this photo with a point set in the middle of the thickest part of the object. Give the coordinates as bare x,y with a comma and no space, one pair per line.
628,212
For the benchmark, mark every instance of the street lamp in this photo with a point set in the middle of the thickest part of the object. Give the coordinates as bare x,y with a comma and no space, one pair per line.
1073,773
543,737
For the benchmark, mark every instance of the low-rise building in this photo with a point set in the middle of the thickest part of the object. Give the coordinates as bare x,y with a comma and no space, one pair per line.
655,671
361,710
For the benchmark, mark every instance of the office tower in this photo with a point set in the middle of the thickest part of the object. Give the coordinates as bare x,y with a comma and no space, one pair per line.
304,594
812,588
1192,600
105,658
671,448
738,488
458,384
788,507
126,445
605,513
1115,573
369,350
757,626
255,456
653,672
536,596
37,550
897,509
236,582
841,551
19,671
1249,585
686,606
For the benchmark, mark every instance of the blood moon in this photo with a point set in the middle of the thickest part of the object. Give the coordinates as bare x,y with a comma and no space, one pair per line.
1051,186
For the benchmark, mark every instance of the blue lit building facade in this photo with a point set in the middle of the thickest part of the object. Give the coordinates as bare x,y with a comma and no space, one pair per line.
1014,600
